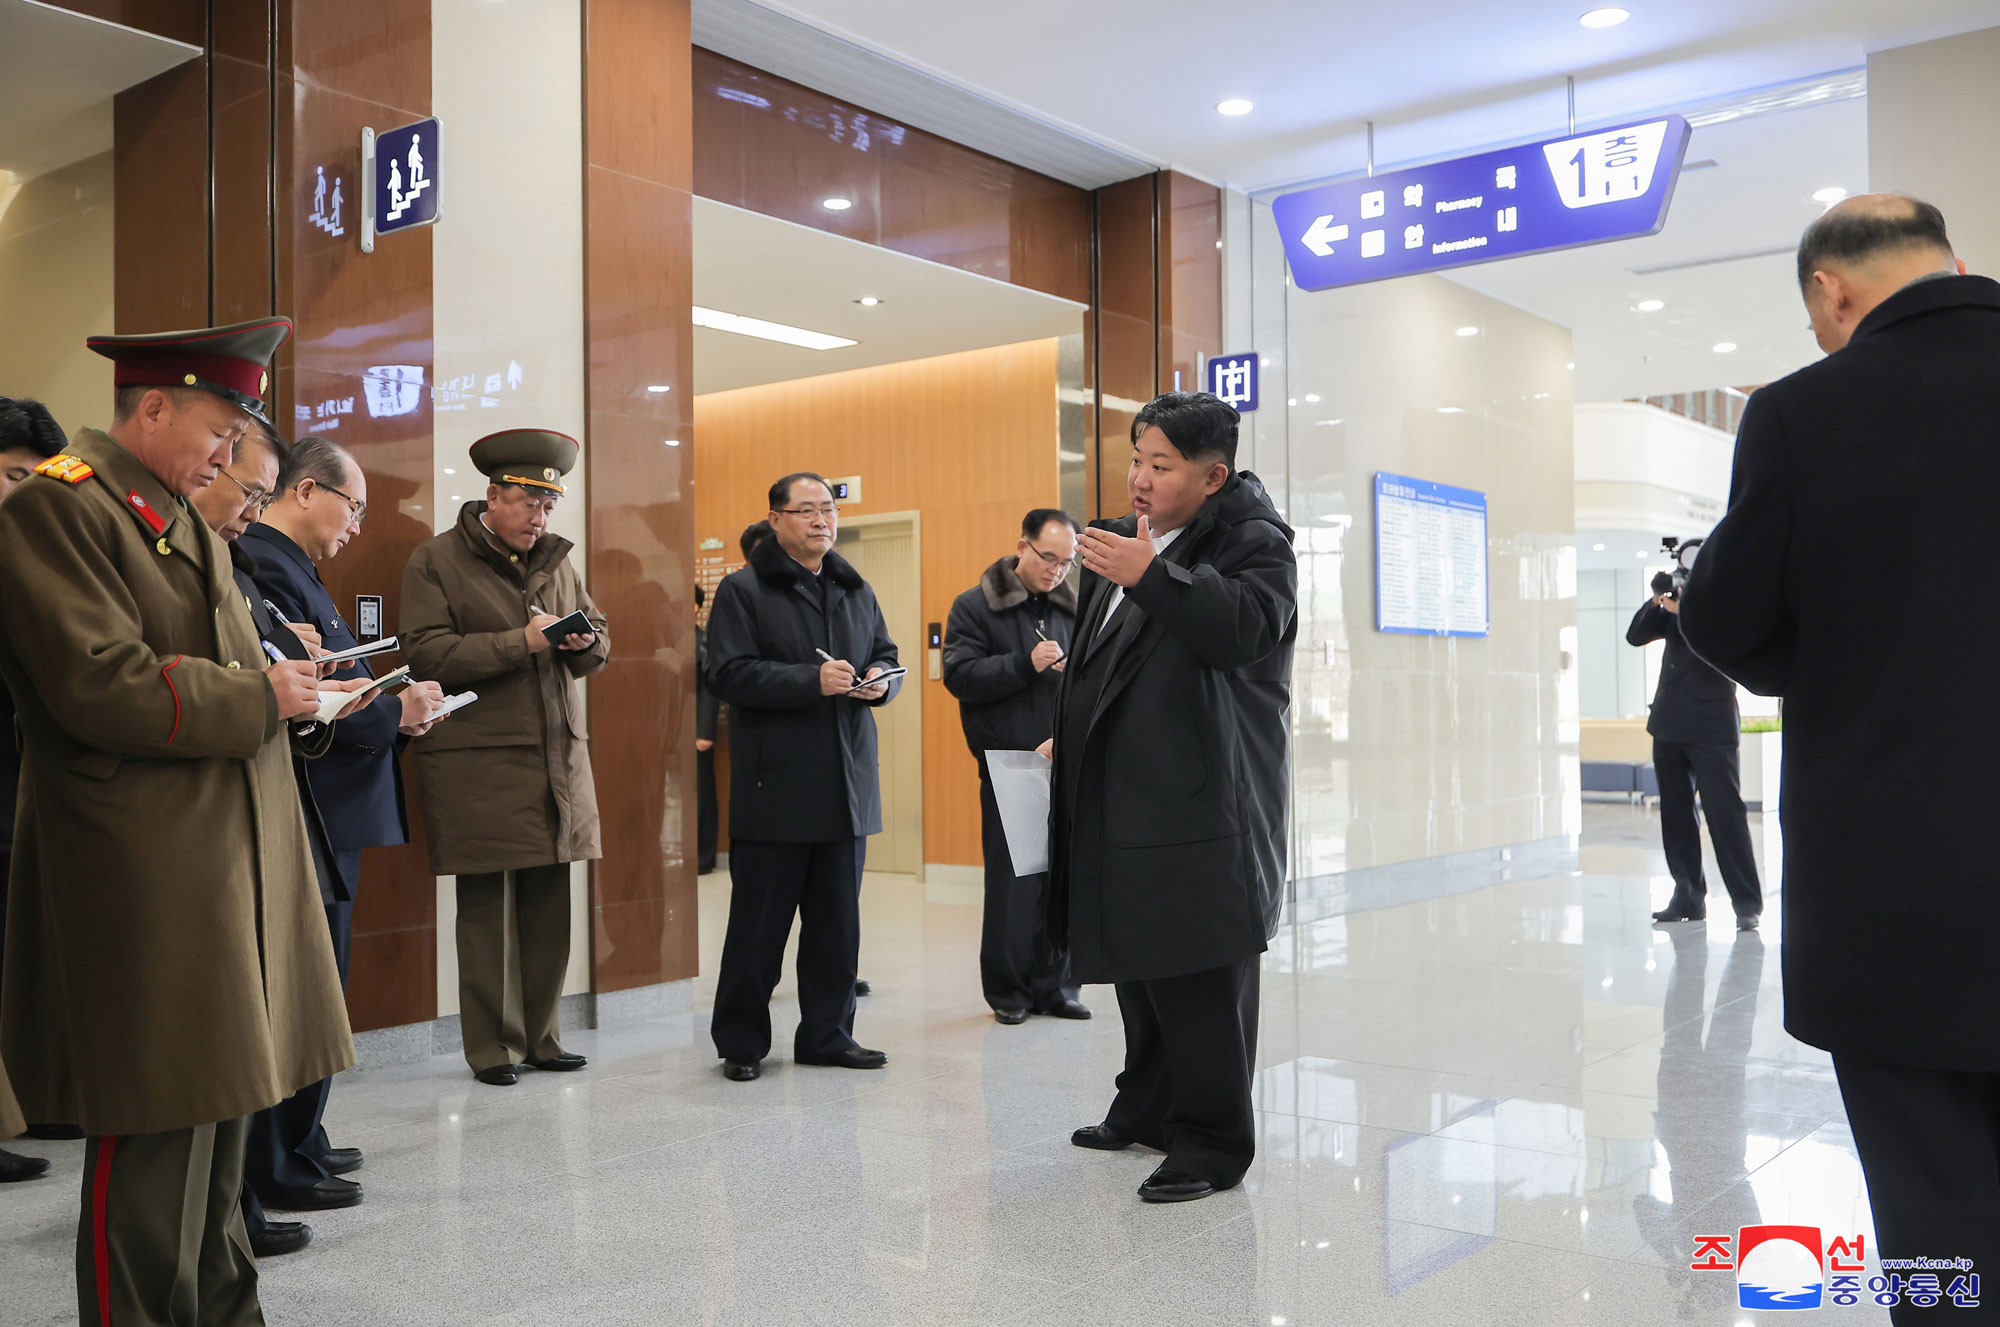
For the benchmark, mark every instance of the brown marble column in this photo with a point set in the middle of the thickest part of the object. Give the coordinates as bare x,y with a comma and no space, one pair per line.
638,243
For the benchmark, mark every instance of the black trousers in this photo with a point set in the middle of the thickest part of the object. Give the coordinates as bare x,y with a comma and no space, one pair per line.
770,883
704,800
1008,972
1929,1141
288,1141
1190,1051
1713,771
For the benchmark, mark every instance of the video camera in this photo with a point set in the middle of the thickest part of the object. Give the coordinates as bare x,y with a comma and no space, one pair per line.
1683,554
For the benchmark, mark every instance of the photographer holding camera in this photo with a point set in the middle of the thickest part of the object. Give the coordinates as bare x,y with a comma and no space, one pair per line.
1695,728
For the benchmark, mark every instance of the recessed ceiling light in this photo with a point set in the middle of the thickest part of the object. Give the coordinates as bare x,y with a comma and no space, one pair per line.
1724,347
1234,106
448,470
1571,366
1264,362
1312,398
768,331
671,442
1608,16
868,301
1293,401
456,498
1641,553
1468,331
659,389
1829,195
1451,410
1650,305
1597,548
836,204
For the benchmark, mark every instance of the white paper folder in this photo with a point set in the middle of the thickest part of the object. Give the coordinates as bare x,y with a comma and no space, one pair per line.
1021,790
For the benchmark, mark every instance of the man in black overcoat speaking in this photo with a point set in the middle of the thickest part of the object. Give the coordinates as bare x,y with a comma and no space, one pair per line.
1843,578
1697,732
1167,807
793,641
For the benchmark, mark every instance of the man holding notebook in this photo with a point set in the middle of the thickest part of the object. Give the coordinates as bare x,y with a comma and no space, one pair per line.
314,507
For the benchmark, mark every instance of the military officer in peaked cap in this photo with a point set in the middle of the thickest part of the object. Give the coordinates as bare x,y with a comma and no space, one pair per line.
168,970
507,782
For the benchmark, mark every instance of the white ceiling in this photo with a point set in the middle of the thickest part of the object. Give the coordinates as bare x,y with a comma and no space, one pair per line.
1757,198
1144,75
1624,550
761,267
58,73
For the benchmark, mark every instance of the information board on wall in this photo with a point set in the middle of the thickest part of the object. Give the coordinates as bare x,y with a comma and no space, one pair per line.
1430,558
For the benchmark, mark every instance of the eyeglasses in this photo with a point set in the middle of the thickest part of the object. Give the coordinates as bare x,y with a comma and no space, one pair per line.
827,509
252,497
358,510
1060,564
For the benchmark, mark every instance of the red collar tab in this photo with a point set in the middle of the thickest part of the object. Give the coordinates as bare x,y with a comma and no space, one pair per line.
146,512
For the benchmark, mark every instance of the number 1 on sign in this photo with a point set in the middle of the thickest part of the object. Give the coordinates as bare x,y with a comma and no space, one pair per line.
1577,161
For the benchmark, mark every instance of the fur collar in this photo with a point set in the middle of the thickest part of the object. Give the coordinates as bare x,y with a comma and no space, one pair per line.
773,564
1002,586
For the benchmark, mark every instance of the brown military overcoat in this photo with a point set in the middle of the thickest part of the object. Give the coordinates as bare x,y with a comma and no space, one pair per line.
168,962
506,781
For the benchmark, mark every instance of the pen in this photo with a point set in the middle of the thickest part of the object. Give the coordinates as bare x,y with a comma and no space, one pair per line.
277,655
1045,640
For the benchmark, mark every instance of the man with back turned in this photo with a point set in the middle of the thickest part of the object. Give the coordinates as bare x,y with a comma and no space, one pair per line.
1167,807
1860,512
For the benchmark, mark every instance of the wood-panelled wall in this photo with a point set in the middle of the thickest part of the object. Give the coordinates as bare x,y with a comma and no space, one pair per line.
967,439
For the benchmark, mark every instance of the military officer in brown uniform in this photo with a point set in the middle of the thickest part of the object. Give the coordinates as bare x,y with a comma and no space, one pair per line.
168,970
507,782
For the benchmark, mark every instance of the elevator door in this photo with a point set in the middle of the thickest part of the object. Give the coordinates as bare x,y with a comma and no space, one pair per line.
884,550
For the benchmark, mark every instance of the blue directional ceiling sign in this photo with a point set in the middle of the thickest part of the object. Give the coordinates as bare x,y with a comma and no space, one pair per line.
401,167
1610,184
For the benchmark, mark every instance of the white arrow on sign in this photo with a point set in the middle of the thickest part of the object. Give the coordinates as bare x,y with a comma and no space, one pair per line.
1320,237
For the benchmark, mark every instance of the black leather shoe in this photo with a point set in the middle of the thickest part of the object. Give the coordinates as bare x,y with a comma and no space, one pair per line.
1174,1186
1682,912
1100,1138
863,988
1011,1017
341,1160
1746,921
562,1063
860,1057
14,1167
324,1196
1067,1009
54,1133
741,1071
500,1075
280,1237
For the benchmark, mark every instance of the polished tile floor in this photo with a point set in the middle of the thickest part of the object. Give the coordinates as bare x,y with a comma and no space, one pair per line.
1515,1104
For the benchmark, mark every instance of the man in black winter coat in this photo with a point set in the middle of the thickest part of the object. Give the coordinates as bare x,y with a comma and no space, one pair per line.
793,641
1696,732
1865,482
1167,810
1004,647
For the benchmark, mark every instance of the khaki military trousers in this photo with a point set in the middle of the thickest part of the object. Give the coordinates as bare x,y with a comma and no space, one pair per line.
161,1242
512,956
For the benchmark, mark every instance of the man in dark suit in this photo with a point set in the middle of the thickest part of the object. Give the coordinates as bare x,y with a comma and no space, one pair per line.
1860,512
707,709
29,435
315,508
1696,730
1167,806
793,641
1004,647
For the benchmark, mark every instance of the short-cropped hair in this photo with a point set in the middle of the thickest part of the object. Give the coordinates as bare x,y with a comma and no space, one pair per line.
781,492
1035,521
321,460
1855,236
1201,426
26,423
